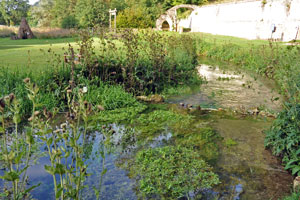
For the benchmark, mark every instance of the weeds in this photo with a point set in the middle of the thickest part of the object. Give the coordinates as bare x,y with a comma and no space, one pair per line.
18,150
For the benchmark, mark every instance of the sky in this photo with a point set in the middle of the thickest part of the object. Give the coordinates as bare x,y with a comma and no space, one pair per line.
32,1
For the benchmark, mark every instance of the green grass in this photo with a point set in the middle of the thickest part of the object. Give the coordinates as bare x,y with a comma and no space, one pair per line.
221,39
30,54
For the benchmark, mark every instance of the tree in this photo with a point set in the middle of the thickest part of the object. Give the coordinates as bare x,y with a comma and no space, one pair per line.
92,12
2,21
13,10
134,17
40,14
61,10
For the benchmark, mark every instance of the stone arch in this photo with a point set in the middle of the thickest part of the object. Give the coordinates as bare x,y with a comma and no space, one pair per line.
170,16
165,26
164,18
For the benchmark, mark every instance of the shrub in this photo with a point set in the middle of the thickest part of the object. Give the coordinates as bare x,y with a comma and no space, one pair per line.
69,22
134,17
284,137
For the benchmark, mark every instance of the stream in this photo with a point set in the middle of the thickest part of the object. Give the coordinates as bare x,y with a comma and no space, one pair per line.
246,169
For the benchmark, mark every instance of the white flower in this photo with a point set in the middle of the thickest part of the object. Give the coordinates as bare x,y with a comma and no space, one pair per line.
84,89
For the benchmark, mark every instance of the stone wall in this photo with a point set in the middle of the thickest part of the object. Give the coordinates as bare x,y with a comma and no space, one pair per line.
249,19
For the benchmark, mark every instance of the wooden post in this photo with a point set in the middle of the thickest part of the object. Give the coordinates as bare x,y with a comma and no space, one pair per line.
113,13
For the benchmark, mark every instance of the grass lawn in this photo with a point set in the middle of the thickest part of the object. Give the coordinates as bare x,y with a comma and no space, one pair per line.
30,54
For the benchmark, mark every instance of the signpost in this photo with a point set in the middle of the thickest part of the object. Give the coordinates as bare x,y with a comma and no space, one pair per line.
113,13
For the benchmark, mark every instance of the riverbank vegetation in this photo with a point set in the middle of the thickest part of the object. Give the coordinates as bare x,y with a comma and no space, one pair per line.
94,82
142,62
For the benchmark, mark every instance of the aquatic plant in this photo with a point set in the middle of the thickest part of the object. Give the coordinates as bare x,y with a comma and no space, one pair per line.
172,172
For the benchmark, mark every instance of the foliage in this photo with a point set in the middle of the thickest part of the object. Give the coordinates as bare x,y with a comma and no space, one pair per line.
60,10
170,3
40,15
172,172
69,22
144,62
158,120
293,196
134,17
17,155
64,143
90,13
13,10
284,137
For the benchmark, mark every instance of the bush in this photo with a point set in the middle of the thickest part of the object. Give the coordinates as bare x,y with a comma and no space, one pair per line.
134,17
284,137
69,22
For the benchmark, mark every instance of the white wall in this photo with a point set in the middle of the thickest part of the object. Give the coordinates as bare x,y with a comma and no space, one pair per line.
248,19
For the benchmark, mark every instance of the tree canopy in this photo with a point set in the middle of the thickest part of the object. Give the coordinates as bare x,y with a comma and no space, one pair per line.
13,10
87,13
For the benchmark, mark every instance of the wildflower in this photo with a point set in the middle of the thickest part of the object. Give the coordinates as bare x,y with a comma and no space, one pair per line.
30,119
84,90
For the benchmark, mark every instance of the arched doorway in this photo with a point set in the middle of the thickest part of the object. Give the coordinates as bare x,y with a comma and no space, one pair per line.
165,26
170,17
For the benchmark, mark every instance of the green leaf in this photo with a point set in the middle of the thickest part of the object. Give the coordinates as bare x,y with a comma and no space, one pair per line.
29,138
59,192
60,169
295,170
16,119
289,164
104,171
49,141
11,155
21,195
10,176
49,169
